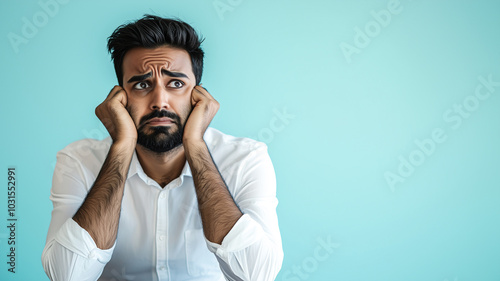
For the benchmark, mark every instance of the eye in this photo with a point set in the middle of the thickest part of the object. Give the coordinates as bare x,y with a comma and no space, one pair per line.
141,85
176,84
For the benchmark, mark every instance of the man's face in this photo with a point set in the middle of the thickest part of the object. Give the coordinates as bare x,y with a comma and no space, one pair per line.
158,83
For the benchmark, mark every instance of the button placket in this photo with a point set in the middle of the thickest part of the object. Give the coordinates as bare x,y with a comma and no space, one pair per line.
161,242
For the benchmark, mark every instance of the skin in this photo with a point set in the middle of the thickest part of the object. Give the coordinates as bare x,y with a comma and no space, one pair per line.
100,211
159,92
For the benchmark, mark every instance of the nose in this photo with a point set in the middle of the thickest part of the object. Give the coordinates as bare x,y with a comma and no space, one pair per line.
159,98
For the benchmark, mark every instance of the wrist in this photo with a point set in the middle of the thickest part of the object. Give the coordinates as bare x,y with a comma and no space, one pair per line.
193,140
125,144
191,146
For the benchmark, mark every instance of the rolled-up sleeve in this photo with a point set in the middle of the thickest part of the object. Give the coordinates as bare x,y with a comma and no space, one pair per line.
73,255
70,253
252,250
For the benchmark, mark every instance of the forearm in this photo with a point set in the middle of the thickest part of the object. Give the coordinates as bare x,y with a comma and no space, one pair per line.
252,248
217,208
100,212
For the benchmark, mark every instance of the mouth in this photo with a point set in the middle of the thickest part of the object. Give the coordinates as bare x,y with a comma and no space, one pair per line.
160,121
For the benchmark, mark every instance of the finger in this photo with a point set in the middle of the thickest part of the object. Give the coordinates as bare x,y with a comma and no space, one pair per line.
116,89
196,96
121,95
202,91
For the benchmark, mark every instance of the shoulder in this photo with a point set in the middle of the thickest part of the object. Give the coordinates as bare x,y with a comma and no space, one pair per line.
216,138
81,161
242,163
230,147
87,149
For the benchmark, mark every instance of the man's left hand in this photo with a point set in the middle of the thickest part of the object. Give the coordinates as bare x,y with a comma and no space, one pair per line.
204,109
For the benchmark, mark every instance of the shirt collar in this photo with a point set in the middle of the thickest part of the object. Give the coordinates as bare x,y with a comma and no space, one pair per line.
136,168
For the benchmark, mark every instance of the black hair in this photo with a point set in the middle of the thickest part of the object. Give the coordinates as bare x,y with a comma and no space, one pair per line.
151,32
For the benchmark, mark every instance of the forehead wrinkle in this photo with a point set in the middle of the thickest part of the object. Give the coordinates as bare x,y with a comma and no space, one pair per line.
157,59
157,64
154,62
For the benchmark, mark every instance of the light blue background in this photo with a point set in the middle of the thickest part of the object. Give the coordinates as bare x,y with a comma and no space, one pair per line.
351,123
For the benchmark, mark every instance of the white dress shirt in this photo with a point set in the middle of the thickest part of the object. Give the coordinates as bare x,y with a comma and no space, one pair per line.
160,235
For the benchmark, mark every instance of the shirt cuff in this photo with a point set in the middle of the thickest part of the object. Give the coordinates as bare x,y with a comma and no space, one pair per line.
76,239
244,233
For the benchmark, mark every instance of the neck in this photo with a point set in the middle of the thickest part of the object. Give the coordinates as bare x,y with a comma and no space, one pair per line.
162,167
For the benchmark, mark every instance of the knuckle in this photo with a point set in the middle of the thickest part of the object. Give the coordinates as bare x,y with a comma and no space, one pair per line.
214,104
98,111
110,105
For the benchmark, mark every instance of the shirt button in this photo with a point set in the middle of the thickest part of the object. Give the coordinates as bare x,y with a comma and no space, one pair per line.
163,195
162,237
162,268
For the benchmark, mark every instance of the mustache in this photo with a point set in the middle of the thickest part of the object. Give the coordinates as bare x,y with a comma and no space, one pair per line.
159,114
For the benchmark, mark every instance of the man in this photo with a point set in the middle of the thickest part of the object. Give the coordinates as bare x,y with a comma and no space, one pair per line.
165,197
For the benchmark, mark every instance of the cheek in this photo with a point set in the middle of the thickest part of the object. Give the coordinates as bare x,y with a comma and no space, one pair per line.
185,110
189,94
184,104
132,111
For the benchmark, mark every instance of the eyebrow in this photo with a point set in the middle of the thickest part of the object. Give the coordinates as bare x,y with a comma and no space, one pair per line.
149,74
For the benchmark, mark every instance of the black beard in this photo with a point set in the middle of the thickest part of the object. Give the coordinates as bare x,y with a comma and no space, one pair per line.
160,140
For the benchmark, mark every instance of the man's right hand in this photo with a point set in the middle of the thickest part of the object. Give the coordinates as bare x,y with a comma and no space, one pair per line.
114,116
99,213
